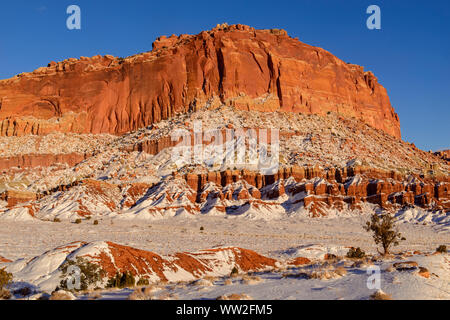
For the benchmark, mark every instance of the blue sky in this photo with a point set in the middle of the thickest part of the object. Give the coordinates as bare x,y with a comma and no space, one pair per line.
410,55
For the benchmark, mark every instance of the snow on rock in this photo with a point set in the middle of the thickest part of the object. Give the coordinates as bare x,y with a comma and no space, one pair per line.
316,251
44,271
4,260
419,215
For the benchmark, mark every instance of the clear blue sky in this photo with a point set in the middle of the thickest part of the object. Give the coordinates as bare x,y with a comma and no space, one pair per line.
410,55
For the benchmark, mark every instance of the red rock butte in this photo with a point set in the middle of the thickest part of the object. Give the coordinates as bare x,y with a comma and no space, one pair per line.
250,69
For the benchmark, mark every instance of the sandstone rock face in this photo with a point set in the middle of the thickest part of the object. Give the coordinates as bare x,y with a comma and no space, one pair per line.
41,160
4,260
444,154
13,197
325,189
250,69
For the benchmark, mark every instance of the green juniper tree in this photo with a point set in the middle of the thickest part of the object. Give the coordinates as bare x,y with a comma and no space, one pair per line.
384,231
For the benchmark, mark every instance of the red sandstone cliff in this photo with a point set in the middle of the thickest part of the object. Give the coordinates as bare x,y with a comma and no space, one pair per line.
250,69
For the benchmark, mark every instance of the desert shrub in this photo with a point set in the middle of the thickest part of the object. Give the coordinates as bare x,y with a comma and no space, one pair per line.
140,294
89,275
251,280
62,295
94,295
24,292
235,296
5,294
95,222
234,272
384,231
122,280
330,256
442,249
340,271
356,253
380,295
78,221
142,282
5,278
202,229
56,220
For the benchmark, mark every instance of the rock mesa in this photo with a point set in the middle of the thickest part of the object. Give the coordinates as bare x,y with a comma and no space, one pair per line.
250,69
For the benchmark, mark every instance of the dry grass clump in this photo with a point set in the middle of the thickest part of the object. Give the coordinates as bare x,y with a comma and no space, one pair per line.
62,295
235,296
380,295
322,275
203,283
5,294
181,285
94,295
168,296
251,280
390,269
326,271
150,289
341,271
363,263
141,294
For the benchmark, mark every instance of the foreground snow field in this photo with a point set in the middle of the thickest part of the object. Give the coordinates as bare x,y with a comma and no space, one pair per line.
26,239
284,240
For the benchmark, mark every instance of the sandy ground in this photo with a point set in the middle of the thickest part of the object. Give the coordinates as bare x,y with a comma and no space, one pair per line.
19,239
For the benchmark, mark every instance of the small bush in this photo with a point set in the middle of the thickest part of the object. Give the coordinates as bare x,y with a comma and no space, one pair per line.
56,220
95,222
251,280
340,271
24,292
5,278
61,295
5,294
78,221
140,294
202,229
95,295
442,249
143,282
355,253
384,232
122,280
234,272
235,296
380,295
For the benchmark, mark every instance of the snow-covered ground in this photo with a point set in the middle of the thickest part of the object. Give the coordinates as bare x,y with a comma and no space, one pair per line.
407,275
26,239
294,284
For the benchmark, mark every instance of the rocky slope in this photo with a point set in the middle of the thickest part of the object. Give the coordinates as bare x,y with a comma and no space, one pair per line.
208,273
326,164
46,271
264,70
